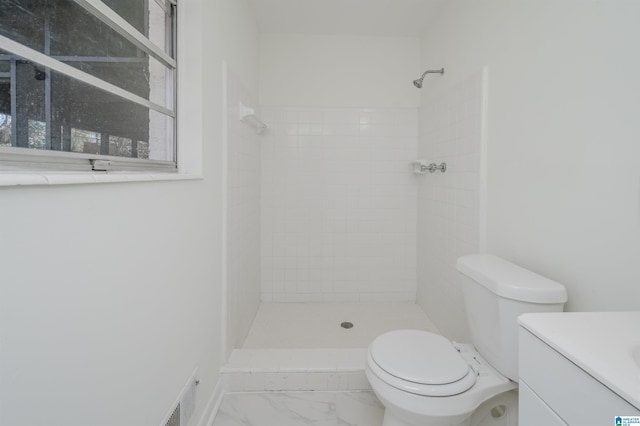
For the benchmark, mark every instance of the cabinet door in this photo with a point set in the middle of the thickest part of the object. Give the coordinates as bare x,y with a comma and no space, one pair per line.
534,412
574,395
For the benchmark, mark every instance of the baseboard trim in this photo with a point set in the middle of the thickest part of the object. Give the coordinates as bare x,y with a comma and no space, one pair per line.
210,411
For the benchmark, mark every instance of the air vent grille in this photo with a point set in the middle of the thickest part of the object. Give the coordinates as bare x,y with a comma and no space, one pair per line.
174,420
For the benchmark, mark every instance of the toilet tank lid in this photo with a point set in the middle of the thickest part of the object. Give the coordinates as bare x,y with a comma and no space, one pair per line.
511,281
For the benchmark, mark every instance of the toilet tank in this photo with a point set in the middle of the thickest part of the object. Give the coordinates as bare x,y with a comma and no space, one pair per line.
496,292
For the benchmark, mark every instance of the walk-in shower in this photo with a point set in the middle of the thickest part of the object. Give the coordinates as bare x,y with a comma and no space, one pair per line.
326,250
418,82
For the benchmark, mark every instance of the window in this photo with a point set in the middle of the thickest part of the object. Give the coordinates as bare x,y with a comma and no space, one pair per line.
88,84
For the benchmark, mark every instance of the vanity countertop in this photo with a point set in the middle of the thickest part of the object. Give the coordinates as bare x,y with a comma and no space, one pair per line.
604,344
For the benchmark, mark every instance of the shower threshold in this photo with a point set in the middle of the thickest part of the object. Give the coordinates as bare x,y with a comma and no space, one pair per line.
306,347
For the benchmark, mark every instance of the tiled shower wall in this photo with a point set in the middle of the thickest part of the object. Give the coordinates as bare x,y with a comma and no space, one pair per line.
243,215
449,203
338,205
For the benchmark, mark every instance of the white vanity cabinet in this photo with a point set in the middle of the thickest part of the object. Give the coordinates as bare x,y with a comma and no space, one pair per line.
578,368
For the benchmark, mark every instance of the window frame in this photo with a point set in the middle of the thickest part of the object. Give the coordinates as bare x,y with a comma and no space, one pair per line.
22,160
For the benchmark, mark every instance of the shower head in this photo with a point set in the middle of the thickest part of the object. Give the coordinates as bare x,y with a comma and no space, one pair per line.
418,82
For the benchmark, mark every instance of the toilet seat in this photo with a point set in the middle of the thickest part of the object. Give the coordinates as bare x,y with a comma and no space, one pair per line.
420,362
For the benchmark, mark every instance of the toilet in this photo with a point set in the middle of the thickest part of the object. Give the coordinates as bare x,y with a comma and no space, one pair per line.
424,379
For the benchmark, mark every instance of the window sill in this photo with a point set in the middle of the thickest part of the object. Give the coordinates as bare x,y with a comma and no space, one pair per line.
49,178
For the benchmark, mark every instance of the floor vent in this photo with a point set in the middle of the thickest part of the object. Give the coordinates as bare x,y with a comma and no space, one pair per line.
185,404
174,420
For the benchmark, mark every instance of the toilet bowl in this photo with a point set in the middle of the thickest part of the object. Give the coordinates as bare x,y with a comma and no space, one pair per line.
423,379
445,390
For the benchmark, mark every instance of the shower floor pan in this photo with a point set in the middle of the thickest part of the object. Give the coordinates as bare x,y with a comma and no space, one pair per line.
305,346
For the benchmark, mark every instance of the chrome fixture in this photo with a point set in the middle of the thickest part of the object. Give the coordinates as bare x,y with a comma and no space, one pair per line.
418,82
420,167
249,117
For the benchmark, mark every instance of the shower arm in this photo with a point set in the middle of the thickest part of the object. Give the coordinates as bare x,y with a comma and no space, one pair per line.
418,82
440,71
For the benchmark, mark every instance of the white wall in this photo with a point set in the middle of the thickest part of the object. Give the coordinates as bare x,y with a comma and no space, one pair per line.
563,152
233,39
339,205
111,293
339,71
449,203
243,148
338,202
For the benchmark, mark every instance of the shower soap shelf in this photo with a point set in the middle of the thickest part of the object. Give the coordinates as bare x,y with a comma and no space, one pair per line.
249,117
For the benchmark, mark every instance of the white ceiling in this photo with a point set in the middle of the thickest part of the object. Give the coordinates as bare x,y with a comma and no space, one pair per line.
346,17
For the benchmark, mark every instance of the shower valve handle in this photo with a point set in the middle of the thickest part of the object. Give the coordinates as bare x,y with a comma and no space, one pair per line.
431,168
420,167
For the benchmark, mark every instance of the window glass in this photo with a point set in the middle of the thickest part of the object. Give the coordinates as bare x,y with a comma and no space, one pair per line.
156,24
57,112
22,21
45,105
133,11
5,129
67,32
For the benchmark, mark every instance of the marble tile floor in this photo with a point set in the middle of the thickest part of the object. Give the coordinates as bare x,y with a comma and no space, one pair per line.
300,409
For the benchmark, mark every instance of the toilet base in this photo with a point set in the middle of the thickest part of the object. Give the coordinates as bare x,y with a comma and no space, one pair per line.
391,419
408,409
485,415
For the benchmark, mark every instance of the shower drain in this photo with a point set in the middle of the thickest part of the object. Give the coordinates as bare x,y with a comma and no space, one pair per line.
346,324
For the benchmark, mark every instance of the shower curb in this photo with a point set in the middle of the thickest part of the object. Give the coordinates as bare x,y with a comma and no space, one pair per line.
260,370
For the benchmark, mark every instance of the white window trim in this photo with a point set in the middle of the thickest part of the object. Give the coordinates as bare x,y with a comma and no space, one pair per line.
189,119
